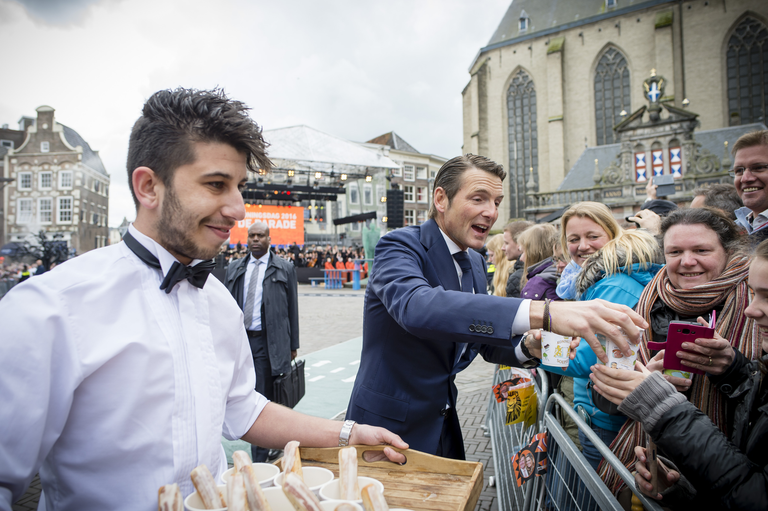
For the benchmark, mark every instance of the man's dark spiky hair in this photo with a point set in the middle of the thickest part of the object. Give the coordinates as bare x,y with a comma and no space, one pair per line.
173,120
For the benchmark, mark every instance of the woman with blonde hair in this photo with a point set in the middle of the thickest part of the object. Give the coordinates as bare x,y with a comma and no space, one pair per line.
499,282
585,228
617,271
539,273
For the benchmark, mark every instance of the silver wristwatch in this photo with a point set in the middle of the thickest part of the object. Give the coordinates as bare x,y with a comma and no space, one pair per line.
346,430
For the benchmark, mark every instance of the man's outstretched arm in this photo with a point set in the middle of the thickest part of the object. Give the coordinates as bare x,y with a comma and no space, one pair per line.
277,425
588,320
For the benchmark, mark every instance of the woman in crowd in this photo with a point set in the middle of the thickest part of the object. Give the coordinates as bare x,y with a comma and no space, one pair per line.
499,282
591,226
707,470
616,266
539,272
705,271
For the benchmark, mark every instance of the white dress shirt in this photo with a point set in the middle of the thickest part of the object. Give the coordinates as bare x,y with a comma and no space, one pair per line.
261,263
113,388
522,321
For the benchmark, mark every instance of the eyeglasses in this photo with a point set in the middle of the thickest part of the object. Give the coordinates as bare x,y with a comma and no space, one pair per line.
757,168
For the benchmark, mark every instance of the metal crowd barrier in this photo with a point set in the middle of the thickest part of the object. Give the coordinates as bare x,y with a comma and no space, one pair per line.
6,285
570,484
507,440
334,279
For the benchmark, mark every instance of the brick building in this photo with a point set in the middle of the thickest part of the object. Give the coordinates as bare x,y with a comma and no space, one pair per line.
54,182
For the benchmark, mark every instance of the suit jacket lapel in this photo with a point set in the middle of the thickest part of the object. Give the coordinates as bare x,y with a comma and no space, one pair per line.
477,273
438,254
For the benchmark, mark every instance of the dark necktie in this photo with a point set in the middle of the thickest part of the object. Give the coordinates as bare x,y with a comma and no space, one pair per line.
467,286
197,275
462,258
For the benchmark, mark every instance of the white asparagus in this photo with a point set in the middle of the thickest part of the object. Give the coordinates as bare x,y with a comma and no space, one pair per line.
292,460
236,499
349,488
240,459
257,501
373,499
169,498
301,497
206,488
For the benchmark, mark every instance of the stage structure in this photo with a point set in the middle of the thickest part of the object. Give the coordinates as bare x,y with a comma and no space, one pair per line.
331,178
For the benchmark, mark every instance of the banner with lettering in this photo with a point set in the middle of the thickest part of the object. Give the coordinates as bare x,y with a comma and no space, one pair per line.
286,224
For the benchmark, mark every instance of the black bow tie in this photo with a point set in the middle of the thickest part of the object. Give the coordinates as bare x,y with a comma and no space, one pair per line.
197,275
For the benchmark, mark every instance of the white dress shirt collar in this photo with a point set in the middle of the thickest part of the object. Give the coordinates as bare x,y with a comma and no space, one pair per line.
263,259
166,258
453,248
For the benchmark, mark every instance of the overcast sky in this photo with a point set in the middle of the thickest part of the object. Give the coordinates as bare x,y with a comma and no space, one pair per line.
354,69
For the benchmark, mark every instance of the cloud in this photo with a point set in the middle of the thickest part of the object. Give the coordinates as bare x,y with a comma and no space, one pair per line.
352,69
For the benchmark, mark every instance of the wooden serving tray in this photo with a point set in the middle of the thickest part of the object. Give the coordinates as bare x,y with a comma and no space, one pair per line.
423,482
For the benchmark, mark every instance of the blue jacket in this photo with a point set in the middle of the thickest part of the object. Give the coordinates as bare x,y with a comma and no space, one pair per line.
621,288
415,316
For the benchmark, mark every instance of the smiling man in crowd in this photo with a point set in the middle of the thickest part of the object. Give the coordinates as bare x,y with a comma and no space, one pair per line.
750,177
121,369
427,314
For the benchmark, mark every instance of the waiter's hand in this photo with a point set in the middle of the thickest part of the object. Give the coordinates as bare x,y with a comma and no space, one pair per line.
591,319
362,434
293,354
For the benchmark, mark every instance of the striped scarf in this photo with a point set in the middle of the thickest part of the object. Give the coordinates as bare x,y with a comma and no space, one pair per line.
731,290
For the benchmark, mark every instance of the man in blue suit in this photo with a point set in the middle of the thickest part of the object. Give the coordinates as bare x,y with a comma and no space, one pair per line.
420,329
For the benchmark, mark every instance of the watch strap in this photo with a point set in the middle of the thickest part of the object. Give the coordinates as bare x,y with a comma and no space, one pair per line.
346,431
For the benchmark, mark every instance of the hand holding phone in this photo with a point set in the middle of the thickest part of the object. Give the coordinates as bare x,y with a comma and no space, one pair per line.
680,332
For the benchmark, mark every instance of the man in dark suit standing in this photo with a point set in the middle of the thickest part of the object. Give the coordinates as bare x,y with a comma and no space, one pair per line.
427,314
264,286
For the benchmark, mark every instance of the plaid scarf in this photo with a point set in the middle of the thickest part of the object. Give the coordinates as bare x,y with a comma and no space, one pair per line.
729,289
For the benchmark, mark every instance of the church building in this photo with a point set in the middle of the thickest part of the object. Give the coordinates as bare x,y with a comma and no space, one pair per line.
571,94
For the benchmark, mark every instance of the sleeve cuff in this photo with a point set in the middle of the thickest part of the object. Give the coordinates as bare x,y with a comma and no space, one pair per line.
522,321
650,400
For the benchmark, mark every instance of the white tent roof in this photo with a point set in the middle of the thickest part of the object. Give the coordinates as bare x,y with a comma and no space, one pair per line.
305,144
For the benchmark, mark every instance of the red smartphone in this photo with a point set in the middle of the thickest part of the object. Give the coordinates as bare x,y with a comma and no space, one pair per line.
678,333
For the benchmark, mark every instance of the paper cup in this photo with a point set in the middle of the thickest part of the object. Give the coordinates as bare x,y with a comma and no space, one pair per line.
314,477
265,473
193,502
616,358
330,491
277,499
555,349
330,505
677,373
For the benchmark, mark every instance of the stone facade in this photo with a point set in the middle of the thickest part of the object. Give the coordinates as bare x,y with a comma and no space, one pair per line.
58,184
558,55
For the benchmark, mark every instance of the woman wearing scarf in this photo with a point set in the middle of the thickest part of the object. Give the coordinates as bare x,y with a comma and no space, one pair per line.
705,271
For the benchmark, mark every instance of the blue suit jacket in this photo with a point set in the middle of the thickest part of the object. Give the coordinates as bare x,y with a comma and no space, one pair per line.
415,314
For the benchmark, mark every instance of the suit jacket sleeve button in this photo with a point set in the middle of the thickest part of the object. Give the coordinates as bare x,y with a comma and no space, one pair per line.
471,328
490,330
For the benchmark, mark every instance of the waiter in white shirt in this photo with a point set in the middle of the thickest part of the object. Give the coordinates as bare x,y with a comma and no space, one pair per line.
121,369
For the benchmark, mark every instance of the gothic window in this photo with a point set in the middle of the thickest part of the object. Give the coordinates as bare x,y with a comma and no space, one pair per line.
523,140
747,68
611,94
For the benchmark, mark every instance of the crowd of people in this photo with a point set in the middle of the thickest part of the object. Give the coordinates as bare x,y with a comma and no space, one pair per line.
169,349
707,264
307,256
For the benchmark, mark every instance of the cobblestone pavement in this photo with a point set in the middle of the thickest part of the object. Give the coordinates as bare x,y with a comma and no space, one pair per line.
329,317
